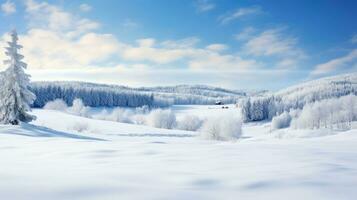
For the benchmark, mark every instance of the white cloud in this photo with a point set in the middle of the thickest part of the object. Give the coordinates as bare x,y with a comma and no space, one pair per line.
275,43
152,54
47,49
272,42
8,8
146,42
57,39
181,44
354,39
348,60
50,17
129,24
212,60
239,13
163,53
85,7
204,5
209,58
217,47
245,34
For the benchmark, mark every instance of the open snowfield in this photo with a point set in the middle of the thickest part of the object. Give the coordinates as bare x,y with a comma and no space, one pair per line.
49,159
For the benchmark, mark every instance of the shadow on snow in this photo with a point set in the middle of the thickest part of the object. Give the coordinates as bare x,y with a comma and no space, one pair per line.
40,131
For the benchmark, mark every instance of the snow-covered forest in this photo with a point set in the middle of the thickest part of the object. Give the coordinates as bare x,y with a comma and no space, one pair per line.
93,95
296,97
96,95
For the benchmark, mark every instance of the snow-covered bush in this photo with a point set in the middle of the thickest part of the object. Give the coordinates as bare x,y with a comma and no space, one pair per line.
189,123
57,104
78,108
161,119
139,119
281,121
142,110
336,113
121,115
227,127
102,115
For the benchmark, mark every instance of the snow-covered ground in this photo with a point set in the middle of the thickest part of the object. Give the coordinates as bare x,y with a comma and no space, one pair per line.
62,156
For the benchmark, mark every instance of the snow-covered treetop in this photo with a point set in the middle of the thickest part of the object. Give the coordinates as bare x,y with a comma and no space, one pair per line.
12,52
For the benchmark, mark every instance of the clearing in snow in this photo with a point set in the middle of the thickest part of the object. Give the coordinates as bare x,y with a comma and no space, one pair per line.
62,156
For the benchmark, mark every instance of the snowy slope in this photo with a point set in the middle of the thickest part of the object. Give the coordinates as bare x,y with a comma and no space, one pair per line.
110,160
324,88
296,97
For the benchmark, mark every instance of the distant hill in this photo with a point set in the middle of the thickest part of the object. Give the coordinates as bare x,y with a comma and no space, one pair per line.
295,97
96,95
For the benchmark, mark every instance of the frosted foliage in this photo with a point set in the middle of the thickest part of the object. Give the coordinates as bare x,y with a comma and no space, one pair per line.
189,123
161,119
16,97
262,108
336,113
78,108
121,115
227,127
281,121
57,104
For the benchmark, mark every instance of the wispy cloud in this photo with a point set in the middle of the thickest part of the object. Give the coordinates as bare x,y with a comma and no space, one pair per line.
129,24
275,43
349,61
204,5
49,17
8,8
354,39
272,42
217,47
240,13
245,34
57,39
85,7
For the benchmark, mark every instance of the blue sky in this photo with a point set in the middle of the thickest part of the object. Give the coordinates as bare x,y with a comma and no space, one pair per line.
255,44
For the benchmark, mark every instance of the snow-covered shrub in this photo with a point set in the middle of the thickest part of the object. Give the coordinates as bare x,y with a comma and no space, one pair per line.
78,126
161,119
102,115
281,121
78,108
336,113
139,119
121,115
227,127
57,104
142,110
189,123
117,115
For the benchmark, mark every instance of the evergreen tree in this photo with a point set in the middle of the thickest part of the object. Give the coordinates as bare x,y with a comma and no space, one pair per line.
15,95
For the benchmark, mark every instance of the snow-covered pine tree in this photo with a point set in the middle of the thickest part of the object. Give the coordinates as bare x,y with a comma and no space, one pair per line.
15,96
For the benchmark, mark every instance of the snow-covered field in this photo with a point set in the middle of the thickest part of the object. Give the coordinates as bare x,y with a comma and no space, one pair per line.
62,156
